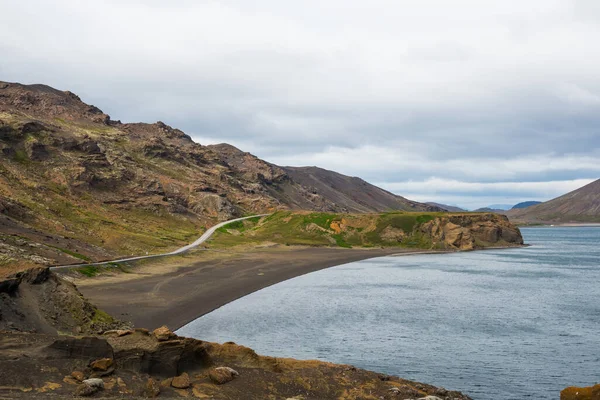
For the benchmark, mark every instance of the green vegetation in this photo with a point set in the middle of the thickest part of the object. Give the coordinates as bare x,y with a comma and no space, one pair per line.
89,270
328,229
72,253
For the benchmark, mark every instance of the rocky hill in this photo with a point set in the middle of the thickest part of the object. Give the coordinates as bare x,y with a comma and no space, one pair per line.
446,207
433,231
579,206
525,204
76,185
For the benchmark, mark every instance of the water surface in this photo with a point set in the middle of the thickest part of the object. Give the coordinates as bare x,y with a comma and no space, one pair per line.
496,324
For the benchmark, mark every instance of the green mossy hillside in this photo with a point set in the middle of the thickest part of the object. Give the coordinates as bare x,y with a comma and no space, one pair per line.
329,229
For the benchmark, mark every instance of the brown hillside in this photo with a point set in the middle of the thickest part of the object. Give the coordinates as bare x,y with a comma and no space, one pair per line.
76,185
579,206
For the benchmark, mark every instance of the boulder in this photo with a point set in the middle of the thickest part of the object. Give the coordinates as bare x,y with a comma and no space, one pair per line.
102,364
152,388
95,382
181,382
581,393
89,387
163,333
78,375
84,390
221,375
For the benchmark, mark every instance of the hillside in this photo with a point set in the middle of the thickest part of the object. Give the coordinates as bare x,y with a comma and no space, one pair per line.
579,206
446,207
435,231
76,185
525,204
351,193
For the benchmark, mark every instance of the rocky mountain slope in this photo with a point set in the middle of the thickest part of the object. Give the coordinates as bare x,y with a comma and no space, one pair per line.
76,185
67,353
579,206
446,207
525,204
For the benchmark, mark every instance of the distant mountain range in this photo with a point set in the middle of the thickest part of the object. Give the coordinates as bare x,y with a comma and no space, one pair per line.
446,207
525,204
579,206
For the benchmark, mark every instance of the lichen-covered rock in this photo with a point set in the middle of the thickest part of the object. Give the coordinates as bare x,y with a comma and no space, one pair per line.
221,375
163,333
182,381
581,393
89,387
84,390
152,388
102,364
78,375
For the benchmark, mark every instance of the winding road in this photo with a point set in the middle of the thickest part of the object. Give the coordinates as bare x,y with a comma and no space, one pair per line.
209,232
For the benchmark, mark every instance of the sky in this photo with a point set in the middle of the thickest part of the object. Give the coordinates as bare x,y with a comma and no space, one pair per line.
467,102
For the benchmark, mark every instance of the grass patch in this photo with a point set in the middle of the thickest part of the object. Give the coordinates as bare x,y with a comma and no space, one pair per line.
72,253
327,229
90,270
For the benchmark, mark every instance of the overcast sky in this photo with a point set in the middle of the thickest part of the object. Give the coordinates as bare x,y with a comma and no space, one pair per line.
465,102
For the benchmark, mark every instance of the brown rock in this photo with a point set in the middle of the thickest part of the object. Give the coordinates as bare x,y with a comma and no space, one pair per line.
166,382
84,390
163,333
70,380
182,381
221,375
102,364
581,393
152,388
80,376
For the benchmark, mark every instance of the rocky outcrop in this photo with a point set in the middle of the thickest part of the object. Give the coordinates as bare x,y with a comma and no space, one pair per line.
131,363
241,374
471,231
39,301
581,393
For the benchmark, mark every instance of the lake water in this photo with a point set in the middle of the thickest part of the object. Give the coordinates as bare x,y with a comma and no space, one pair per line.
496,324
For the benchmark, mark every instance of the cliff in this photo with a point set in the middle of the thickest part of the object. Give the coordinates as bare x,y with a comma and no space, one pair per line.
433,230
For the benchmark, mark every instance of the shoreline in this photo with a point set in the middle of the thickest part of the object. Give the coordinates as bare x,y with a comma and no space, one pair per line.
176,292
181,291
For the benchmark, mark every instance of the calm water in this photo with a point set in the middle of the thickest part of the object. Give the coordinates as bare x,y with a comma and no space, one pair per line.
497,324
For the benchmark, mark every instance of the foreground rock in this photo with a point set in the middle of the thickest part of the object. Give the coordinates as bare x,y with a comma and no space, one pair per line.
581,393
130,363
37,300
185,367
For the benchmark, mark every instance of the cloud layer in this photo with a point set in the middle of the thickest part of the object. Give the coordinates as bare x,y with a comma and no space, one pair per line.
476,99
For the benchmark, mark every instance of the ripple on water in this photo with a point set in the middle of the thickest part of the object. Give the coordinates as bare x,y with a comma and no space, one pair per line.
497,324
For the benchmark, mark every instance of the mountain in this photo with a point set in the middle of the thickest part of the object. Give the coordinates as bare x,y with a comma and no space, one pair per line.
490,209
525,204
353,193
76,185
579,206
446,207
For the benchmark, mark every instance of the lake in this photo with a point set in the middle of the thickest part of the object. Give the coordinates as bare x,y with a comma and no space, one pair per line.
494,324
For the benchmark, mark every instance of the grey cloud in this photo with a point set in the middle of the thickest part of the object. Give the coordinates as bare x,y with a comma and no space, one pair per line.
388,91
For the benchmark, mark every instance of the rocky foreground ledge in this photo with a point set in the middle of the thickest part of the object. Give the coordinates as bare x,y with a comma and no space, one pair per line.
141,364
54,343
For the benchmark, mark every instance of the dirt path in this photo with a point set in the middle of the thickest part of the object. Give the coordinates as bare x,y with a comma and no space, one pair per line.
205,236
